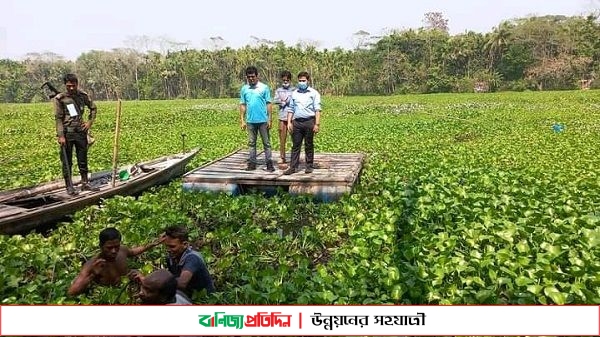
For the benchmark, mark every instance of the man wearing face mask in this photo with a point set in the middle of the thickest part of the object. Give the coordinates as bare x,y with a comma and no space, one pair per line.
71,130
282,98
255,115
304,120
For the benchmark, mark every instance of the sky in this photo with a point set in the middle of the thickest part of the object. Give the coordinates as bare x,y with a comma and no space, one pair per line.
72,28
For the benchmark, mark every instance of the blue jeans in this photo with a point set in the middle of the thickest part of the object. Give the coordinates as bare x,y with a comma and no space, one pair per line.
253,130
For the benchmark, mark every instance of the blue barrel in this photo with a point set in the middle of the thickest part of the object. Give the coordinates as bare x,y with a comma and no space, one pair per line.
231,189
322,193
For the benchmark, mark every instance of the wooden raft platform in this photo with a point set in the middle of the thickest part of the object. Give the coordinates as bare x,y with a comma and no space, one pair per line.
333,176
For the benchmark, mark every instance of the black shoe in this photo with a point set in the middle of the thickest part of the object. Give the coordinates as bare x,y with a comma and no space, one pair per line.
289,171
71,191
309,169
251,167
270,167
88,187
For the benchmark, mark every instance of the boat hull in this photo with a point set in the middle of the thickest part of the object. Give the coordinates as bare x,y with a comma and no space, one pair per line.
17,217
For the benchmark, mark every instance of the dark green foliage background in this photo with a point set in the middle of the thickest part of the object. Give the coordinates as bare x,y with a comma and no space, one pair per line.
463,199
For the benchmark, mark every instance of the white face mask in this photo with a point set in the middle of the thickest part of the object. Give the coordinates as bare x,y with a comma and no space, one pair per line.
286,85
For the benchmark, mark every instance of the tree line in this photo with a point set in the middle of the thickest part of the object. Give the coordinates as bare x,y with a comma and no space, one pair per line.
533,53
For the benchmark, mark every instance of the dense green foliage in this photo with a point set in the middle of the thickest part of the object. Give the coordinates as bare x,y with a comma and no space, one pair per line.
463,199
534,53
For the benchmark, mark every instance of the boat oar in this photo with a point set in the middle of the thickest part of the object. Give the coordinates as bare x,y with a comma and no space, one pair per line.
116,143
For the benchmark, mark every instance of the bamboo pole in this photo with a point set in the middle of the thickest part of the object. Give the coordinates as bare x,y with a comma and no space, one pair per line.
116,143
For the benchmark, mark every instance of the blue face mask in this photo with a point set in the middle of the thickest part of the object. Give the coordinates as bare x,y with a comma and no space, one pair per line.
302,85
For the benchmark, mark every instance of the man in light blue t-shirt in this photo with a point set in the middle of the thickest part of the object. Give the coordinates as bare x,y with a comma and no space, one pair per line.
255,116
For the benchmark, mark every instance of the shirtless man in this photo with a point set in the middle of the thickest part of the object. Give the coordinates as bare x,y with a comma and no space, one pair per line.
110,265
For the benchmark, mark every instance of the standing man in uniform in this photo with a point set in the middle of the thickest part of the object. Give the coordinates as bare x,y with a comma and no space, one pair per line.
303,122
255,115
71,130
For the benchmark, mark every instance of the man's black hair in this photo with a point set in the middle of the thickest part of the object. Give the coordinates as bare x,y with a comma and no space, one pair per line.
177,232
251,70
109,234
70,78
286,73
304,74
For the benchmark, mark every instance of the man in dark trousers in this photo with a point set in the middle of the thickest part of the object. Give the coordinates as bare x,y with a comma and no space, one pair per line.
71,130
304,120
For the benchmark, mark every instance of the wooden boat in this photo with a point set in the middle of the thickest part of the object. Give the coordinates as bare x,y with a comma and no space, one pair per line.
25,209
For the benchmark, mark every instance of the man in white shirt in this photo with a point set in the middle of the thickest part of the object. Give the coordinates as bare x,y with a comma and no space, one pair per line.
304,120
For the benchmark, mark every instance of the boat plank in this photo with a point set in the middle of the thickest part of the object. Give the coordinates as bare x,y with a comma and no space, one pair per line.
6,210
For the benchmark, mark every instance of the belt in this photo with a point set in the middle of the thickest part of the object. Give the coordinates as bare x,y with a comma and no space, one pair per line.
304,119
71,129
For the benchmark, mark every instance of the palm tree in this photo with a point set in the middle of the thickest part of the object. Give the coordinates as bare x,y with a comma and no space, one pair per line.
498,41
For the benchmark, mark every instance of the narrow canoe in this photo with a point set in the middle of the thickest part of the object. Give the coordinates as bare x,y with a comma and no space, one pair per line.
25,209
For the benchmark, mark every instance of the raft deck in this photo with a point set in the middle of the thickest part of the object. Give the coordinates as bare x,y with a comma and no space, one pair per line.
334,175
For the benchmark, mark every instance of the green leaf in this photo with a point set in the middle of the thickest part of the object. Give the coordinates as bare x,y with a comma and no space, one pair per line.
522,247
592,237
555,295
534,288
483,295
523,281
552,249
506,234
397,292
